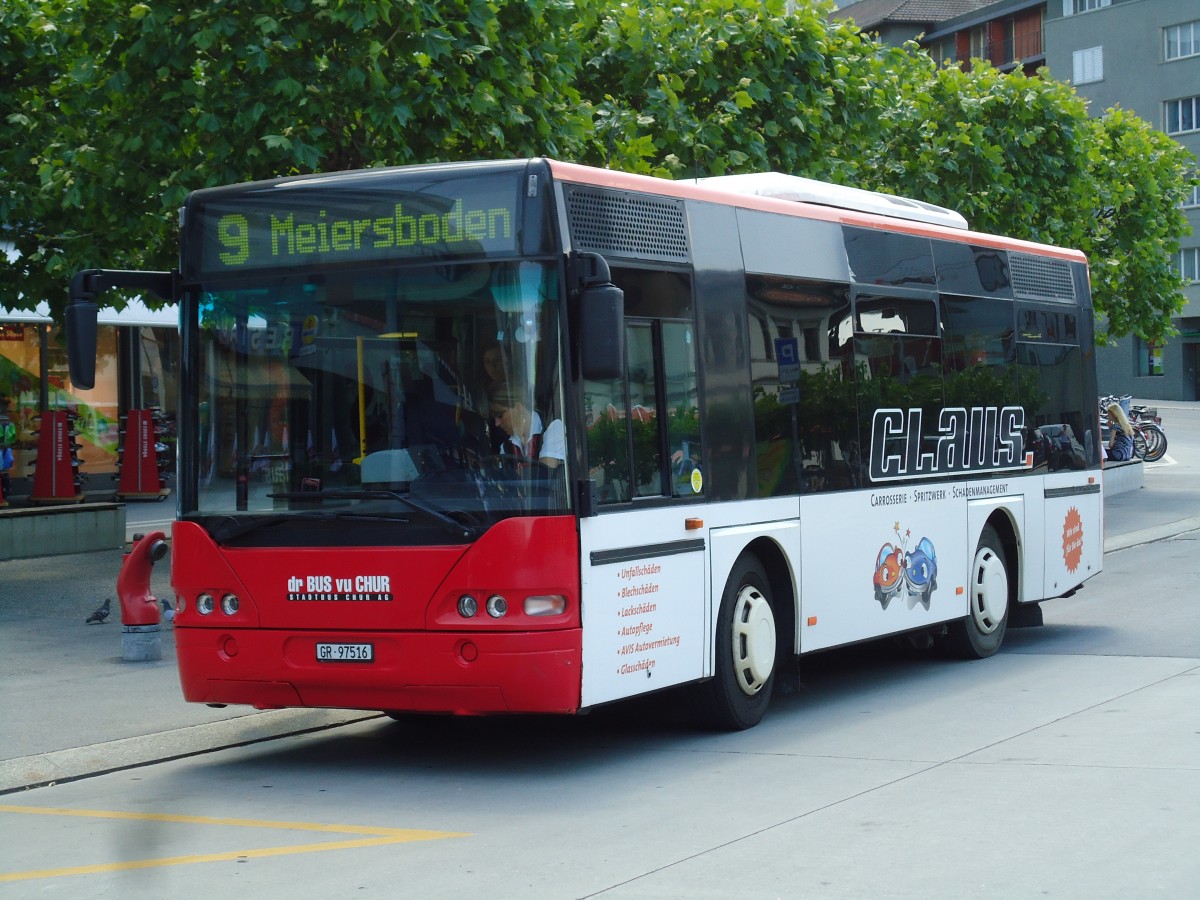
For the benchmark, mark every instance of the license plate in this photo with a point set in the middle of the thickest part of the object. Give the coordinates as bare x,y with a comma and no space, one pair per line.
345,652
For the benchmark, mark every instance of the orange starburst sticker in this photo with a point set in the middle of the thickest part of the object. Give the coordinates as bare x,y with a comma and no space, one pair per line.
1072,541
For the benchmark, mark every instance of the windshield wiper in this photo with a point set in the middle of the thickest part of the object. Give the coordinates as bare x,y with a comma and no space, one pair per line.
245,526
458,528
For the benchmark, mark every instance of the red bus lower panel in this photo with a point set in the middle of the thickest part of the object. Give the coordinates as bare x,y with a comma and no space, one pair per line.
463,674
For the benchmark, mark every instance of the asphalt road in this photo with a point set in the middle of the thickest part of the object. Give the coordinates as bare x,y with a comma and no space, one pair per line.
1066,766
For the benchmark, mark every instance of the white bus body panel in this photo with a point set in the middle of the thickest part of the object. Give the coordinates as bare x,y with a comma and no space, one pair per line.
881,561
865,564
648,609
645,604
1074,538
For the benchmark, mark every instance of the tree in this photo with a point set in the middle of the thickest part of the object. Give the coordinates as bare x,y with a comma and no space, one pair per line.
726,86
1141,178
113,112
1007,150
1018,155
116,111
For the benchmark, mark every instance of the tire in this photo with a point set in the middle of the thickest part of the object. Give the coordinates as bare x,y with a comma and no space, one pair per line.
991,593
1156,442
1139,444
737,695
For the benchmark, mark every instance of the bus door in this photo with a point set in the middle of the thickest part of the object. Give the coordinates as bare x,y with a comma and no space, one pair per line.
1059,402
645,605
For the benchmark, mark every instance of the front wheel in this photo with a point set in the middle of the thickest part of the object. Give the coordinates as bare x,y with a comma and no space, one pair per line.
738,694
980,634
1140,444
1156,442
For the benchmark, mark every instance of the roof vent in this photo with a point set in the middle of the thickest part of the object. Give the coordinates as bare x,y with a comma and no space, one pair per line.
627,224
806,190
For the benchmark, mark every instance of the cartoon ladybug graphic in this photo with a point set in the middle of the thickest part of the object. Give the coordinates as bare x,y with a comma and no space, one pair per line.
913,570
889,573
920,573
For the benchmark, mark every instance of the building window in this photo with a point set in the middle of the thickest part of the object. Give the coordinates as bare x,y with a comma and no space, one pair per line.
1192,199
1149,358
1087,65
1189,264
1070,7
1182,115
978,43
1027,33
1182,40
943,52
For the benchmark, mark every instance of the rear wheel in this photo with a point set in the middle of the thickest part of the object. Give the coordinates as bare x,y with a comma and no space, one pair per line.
980,634
738,694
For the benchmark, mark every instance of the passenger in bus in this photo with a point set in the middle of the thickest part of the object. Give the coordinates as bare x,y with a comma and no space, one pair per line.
493,366
522,427
1120,440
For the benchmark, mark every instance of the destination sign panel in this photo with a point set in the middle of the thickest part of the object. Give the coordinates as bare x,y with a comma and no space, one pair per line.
344,219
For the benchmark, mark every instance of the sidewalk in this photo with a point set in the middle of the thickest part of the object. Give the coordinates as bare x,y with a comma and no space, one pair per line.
72,707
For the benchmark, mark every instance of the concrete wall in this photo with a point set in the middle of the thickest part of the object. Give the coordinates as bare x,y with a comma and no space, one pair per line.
58,530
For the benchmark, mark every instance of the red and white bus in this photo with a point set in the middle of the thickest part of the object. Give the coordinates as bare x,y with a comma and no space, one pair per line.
788,417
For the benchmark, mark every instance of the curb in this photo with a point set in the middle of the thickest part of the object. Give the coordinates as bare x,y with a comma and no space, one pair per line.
1149,535
45,769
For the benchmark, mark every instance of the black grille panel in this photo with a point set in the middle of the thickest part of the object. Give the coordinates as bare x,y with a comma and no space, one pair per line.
622,224
1038,278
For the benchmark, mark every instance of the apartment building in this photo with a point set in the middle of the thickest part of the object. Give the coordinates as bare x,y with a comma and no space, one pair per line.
1143,55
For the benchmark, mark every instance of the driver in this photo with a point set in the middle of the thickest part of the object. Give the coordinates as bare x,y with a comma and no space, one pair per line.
525,438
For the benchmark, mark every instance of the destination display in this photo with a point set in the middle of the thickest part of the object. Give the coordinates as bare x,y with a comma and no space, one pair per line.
336,220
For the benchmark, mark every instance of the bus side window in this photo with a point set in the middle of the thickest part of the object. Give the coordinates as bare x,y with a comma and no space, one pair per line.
607,439
643,409
643,431
682,413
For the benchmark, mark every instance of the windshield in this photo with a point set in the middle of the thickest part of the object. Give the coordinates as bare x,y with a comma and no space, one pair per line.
424,396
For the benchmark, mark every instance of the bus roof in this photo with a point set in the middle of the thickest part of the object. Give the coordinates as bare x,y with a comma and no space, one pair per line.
713,191
807,190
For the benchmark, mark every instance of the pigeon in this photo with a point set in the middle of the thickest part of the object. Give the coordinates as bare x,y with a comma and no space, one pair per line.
101,614
168,613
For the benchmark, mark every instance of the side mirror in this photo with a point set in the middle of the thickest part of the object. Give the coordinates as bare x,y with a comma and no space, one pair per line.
81,343
601,321
81,313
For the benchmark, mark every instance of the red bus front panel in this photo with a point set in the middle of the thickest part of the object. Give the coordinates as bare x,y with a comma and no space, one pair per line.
399,605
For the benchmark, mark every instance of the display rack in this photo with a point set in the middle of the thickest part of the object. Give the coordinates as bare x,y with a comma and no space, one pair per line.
56,476
144,461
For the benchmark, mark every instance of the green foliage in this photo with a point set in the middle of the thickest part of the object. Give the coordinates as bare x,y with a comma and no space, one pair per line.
724,86
1018,156
1007,150
1140,178
112,112
115,112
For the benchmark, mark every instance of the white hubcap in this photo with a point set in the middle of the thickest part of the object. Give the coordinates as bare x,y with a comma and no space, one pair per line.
989,590
753,640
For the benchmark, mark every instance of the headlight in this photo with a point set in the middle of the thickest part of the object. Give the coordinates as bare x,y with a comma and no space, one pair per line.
205,604
229,604
467,606
497,606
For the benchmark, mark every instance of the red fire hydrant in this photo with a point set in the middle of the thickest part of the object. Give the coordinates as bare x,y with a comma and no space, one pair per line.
140,613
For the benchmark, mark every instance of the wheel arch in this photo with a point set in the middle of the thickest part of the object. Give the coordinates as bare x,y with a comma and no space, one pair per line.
1002,521
783,590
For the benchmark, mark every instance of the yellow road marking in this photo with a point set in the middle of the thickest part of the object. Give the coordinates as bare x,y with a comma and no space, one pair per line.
382,836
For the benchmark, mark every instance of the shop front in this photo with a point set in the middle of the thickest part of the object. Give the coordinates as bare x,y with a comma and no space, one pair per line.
136,368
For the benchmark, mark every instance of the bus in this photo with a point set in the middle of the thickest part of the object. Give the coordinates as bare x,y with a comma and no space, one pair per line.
792,416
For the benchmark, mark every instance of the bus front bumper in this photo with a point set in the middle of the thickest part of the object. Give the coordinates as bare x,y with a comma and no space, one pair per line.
434,672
